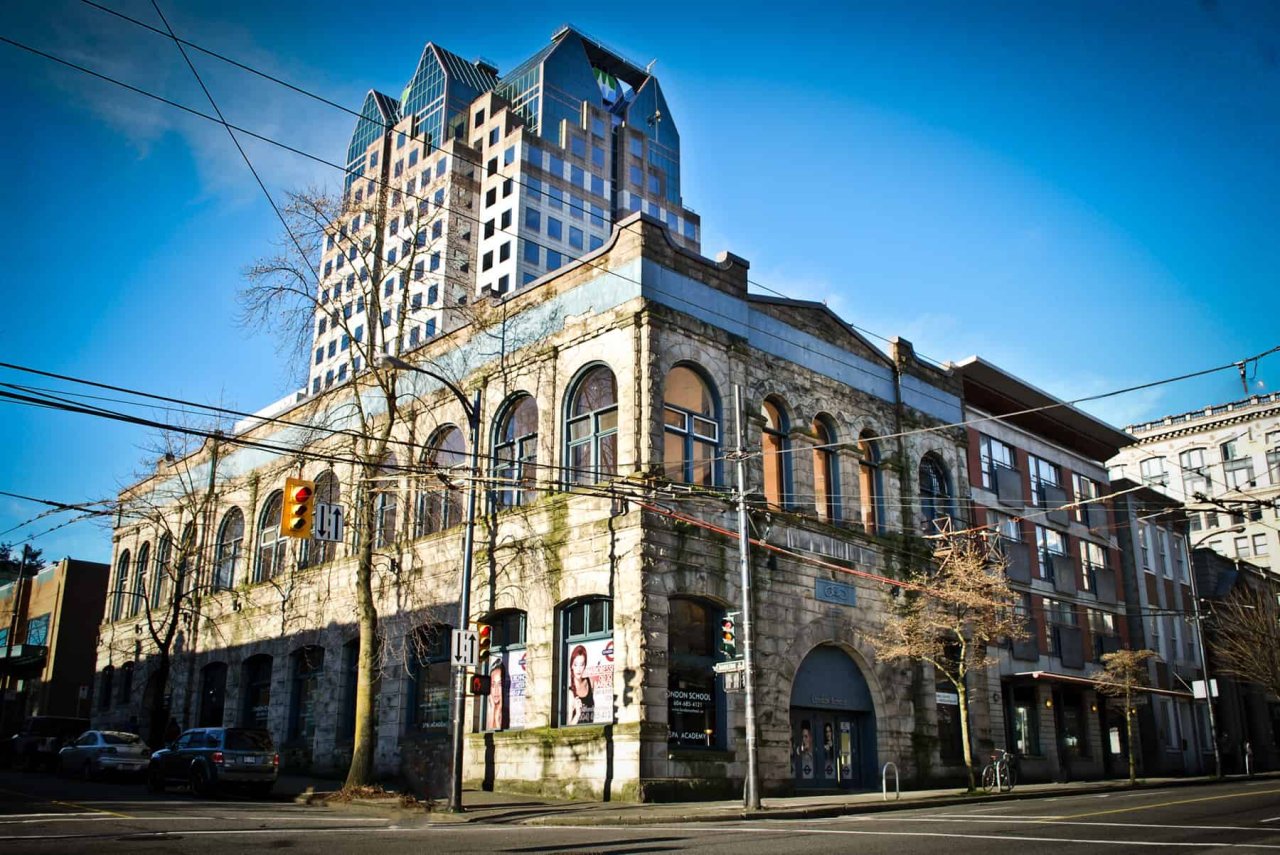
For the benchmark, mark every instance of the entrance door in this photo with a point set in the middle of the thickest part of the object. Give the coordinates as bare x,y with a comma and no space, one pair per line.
826,749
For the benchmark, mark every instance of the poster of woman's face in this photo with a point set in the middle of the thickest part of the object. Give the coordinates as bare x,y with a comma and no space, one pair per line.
497,696
588,691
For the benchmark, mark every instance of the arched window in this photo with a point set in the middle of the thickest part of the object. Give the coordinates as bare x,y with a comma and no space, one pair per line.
592,428
213,694
935,493
126,682
776,447
123,566
108,681
162,575
869,482
429,672
139,597
515,453
695,705
691,429
308,665
586,662
271,546
315,552
439,499
826,470
386,502
226,553
255,691
186,557
350,685
506,707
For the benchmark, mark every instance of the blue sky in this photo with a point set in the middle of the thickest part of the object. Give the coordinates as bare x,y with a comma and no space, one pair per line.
1085,193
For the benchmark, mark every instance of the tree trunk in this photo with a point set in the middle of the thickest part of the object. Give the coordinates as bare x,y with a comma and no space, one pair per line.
158,715
361,771
1128,726
963,696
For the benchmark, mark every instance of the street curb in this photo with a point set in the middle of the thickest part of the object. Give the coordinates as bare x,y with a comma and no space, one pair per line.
830,811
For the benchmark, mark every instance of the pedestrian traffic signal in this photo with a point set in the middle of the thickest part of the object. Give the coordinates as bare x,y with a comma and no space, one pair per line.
480,684
729,636
297,517
484,635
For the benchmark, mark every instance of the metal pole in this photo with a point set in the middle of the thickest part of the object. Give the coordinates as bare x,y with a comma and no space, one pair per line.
1204,661
464,605
751,790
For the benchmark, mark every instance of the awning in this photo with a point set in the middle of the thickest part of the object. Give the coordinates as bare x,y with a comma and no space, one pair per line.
1085,681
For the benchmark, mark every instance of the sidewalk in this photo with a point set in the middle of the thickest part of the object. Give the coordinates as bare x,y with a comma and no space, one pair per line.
511,809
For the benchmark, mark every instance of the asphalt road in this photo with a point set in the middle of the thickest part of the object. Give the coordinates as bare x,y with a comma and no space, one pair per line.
42,814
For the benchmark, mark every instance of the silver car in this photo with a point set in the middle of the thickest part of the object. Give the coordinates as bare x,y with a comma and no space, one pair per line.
102,751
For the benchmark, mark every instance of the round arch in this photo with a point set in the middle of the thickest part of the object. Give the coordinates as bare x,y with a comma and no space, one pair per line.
833,722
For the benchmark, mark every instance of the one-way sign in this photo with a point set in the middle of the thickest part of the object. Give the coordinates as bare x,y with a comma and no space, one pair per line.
462,653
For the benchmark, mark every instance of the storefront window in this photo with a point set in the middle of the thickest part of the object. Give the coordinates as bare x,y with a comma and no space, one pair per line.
257,691
693,701
1024,721
586,655
507,662
308,664
429,662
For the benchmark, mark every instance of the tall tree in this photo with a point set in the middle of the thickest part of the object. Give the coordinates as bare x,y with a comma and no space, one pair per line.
952,613
1124,673
393,250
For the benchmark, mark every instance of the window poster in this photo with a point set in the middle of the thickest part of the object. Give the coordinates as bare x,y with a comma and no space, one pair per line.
589,682
507,690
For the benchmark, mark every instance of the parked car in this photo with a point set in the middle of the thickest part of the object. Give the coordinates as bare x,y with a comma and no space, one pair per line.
208,759
37,744
98,752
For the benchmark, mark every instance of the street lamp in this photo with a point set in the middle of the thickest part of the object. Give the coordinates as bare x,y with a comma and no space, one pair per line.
1204,658
471,407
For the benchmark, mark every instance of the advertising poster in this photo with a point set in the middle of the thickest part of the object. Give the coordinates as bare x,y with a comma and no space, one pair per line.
589,682
507,692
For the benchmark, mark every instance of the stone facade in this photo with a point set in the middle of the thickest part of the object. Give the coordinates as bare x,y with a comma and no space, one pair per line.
635,567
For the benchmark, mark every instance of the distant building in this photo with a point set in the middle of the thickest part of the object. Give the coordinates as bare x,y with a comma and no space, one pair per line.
1230,454
1247,718
1153,545
48,640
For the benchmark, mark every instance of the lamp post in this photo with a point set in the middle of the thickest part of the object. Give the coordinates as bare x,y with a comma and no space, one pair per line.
471,407
1204,658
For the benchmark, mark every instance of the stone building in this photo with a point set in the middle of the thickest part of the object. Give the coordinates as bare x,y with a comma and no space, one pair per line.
605,557
1223,463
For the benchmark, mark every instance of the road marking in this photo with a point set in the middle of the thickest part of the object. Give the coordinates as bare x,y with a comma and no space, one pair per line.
208,832
1166,804
1273,819
958,836
8,816
86,807
1029,820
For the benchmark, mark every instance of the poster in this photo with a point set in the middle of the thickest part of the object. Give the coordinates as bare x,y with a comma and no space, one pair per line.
506,705
588,691
804,751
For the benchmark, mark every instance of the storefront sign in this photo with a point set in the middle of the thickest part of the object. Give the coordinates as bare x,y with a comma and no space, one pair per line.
835,592
951,699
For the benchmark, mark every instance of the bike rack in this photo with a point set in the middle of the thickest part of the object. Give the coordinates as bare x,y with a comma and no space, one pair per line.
884,782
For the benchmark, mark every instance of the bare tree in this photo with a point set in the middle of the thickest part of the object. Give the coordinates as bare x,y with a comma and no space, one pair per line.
952,613
393,251
1124,673
1246,637
173,505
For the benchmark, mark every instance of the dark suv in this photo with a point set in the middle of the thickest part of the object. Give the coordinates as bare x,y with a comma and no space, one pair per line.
37,744
210,758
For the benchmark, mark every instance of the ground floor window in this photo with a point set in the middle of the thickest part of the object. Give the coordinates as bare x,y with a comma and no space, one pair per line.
429,678
586,656
1024,720
256,691
308,665
506,708
694,705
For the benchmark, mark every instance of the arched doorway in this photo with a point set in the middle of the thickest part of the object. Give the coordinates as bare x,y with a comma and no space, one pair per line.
833,723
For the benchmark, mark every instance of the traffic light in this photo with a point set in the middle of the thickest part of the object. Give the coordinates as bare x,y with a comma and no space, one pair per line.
298,514
480,684
484,633
729,636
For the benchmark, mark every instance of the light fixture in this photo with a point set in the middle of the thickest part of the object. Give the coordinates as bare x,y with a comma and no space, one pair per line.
1048,703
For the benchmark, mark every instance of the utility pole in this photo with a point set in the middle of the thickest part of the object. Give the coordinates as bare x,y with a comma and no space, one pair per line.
1204,658
751,788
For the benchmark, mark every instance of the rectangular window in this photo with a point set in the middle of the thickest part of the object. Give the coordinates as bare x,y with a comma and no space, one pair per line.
555,198
1093,558
555,165
576,207
586,655
575,237
431,327
597,185
530,251
1024,721
495,134
1152,470
596,242
597,216
636,176
1043,474
1050,543
509,156
38,631
577,176
504,251
487,261
597,157
505,220
532,219
553,260
993,453
555,228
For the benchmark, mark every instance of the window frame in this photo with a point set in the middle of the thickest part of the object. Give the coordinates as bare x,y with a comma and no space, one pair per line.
684,423
598,434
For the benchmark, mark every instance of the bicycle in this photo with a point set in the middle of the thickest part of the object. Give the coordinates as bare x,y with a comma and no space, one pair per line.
1001,772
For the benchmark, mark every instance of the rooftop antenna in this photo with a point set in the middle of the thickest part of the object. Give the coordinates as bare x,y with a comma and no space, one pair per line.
648,69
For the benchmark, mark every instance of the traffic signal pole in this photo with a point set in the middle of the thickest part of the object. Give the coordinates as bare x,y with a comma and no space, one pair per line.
751,787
